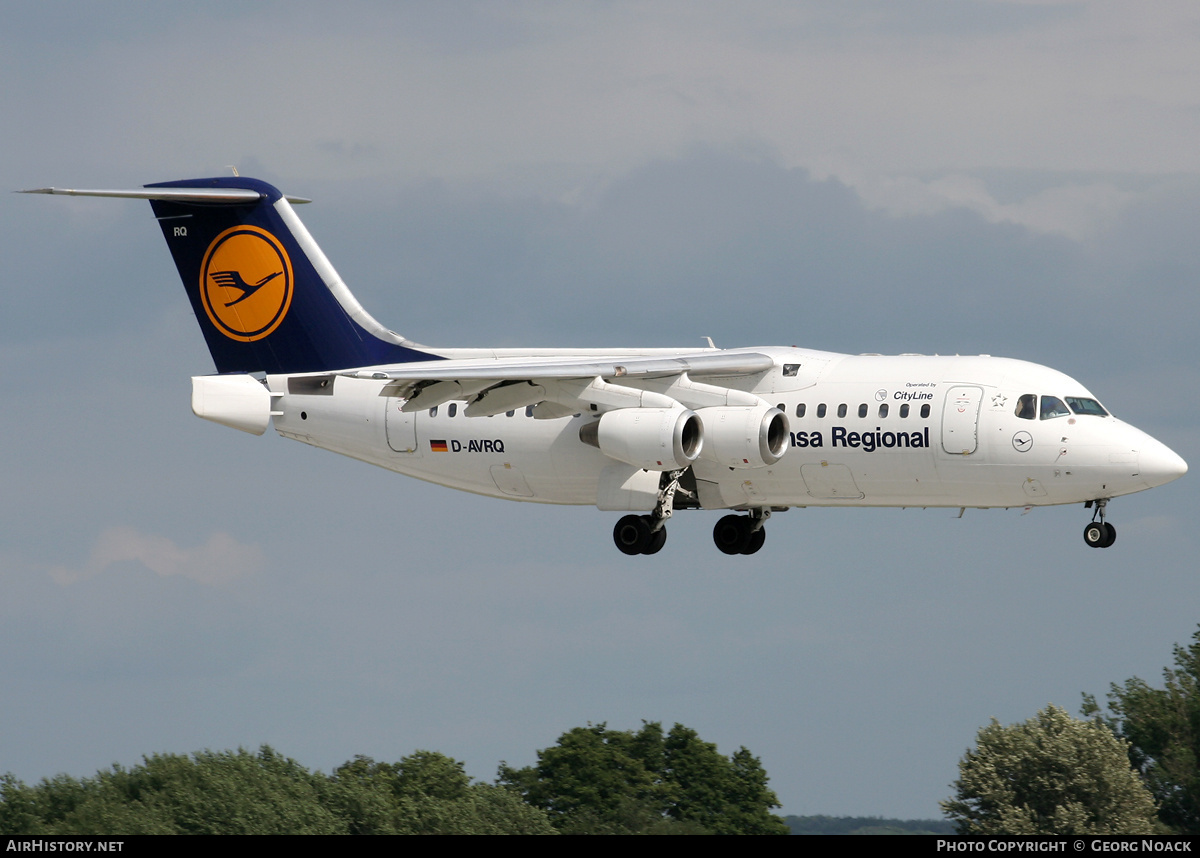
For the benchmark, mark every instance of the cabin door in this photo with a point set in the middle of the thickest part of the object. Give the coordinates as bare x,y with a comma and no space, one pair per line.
960,420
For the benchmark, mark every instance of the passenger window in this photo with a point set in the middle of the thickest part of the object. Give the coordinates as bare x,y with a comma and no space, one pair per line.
883,410
433,411
528,410
862,410
1053,407
821,410
800,409
904,410
925,410
1027,406
509,413
452,410
782,407
842,410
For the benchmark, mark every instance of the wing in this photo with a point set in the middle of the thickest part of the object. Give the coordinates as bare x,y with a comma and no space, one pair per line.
558,386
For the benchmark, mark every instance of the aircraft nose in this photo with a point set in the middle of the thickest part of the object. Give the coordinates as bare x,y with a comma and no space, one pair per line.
1159,464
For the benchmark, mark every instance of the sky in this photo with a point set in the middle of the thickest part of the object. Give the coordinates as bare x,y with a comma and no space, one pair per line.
935,176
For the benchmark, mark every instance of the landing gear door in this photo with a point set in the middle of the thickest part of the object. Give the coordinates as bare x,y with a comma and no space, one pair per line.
960,420
401,428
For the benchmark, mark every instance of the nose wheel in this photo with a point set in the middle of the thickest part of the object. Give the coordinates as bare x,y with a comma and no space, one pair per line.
1099,533
741,534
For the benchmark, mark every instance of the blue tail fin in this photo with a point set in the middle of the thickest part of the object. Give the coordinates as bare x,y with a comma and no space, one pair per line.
264,294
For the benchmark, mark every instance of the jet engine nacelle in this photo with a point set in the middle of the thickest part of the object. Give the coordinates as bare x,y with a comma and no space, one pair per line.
657,439
744,437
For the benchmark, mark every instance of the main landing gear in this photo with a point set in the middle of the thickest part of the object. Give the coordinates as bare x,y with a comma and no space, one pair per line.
635,534
1099,533
647,534
741,534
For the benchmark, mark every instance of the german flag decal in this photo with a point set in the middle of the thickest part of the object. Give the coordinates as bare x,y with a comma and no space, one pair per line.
438,447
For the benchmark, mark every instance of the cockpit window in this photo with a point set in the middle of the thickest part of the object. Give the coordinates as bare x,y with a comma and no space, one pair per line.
1027,406
1053,407
1086,406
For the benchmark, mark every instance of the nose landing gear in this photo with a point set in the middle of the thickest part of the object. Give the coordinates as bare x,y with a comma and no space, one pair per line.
1099,533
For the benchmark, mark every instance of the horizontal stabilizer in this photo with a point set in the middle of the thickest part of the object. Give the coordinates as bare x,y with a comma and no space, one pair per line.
220,196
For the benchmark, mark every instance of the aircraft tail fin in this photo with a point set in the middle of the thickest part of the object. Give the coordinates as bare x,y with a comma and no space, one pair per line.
266,298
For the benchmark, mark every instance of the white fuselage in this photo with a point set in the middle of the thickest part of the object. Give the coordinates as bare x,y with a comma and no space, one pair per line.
865,430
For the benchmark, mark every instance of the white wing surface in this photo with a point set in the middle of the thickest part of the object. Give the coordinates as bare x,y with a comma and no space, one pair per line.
563,385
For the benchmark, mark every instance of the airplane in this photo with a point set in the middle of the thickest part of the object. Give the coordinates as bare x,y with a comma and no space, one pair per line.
750,431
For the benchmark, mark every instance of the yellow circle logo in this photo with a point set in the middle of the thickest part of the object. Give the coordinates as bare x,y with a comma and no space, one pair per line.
246,283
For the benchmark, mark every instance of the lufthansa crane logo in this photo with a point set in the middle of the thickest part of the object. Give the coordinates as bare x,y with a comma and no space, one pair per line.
246,283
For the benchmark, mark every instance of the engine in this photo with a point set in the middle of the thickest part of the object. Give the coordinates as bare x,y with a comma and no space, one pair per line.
657,439
744,437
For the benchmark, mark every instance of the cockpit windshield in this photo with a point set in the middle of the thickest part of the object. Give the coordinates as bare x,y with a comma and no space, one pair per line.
1081,405
1053,407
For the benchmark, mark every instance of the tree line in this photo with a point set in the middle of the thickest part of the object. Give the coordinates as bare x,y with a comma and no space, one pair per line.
593,781
1131,767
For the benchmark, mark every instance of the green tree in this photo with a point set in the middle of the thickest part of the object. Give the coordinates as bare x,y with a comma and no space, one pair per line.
226,792
1162,727
240,792
19,811
601,781
427,793
1052,774
362,792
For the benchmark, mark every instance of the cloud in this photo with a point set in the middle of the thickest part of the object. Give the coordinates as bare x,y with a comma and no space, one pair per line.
217,561
581,92
1076,210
